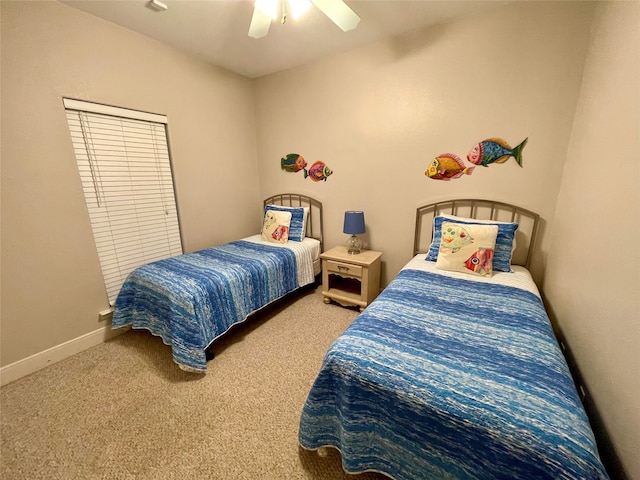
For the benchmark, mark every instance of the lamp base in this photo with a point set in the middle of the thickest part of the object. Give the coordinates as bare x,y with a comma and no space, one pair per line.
354,245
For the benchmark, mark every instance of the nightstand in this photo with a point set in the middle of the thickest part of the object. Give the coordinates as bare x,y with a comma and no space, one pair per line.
350,280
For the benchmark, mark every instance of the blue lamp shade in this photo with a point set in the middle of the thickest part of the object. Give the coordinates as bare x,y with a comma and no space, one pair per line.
354,225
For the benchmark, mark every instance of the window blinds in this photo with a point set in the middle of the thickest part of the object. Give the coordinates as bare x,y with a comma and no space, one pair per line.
123,161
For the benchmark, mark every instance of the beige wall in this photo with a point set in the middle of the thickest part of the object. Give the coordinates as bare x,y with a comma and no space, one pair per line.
52,287
378,116
592,282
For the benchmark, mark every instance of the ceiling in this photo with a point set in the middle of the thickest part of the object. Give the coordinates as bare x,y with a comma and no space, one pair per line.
216,30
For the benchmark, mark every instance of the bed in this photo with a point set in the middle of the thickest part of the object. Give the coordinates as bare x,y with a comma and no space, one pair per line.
452,375
190,300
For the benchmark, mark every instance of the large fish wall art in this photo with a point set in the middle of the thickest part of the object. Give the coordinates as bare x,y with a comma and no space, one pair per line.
447,166
495,150
293,163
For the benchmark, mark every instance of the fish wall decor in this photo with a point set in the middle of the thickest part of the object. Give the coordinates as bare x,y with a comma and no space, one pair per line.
318,172
495,150
447,166
293,163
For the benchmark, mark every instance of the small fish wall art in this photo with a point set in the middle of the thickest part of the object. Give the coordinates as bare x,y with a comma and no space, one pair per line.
293,163
318,172
447,166
495,150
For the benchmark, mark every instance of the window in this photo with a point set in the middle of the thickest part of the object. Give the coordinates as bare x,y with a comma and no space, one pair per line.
123,161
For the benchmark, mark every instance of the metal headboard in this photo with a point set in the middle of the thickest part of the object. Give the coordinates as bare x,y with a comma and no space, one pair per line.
315,226
480,209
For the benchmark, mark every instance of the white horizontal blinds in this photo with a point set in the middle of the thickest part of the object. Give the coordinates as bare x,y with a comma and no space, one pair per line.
126,177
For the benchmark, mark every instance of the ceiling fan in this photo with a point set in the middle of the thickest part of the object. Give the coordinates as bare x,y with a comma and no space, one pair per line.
267,10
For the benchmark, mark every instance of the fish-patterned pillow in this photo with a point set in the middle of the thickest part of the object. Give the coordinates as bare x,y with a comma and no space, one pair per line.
275,226
505,242
467,248
298,227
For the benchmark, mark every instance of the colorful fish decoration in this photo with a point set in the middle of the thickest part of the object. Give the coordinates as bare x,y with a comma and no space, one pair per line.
481,261
495,150
446,167
318,172
455,237
293,163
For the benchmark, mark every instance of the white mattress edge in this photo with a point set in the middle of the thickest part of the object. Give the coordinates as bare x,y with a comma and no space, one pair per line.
307,254
520,277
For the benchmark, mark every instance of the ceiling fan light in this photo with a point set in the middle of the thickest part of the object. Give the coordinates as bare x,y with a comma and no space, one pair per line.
298,7
268,7
267,10
339,13
260,23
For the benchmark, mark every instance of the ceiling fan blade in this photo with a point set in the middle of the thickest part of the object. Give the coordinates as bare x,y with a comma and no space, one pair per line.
260,23
339,13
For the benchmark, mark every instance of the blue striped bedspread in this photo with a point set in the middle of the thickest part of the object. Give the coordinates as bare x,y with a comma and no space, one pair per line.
191,299
444,378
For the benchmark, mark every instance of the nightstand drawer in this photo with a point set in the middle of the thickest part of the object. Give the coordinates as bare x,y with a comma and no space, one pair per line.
348,279
344,268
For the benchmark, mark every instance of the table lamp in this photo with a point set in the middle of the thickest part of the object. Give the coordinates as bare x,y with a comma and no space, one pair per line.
354,225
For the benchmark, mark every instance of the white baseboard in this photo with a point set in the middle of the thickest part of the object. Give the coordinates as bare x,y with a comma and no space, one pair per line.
52,355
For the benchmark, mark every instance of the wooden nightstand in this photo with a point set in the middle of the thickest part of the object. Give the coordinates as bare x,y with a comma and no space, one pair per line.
350,280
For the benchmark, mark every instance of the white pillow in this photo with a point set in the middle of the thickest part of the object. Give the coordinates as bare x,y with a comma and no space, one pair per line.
467,248
275,226
483,222
505,242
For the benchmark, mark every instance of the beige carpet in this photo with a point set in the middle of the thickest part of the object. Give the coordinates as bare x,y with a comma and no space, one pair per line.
124,410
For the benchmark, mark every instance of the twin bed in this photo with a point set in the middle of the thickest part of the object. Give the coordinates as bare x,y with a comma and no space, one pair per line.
449,374
192,299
